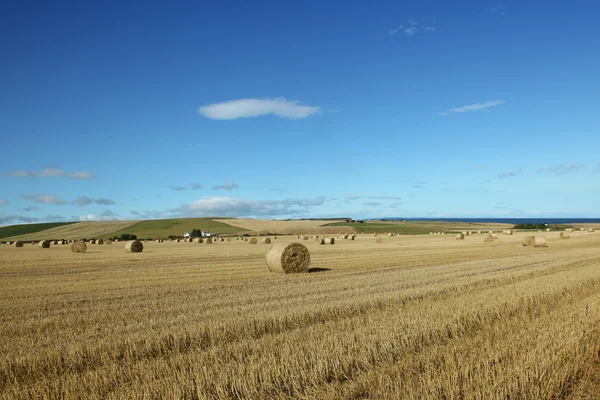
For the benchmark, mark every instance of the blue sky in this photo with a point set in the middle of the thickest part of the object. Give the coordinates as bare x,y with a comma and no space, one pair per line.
113,110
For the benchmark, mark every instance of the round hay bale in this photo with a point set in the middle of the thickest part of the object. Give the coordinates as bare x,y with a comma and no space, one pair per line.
305,237
55,242
297,236
266,241
221,239
116,240
582,229
93,241
390,234
274,237
78,247
564,235
352,237
547,229
177,240
208,241
134,246
320,241
494,236
330,241
460,236
375,234
479,232
379,240
488,239
245,239
253,240
464,234
108,241
527,241
198,240
345,236
590,229
99,241
539,241
288,258
18,243
44,244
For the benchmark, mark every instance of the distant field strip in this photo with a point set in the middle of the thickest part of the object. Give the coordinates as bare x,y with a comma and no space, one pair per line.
285,227
419,317
162,228
25,229
77,230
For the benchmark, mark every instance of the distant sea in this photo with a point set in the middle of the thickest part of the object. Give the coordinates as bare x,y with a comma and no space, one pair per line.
510,220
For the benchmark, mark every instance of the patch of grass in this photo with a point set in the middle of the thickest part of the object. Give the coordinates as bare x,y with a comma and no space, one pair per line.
25,229
388,227
163,228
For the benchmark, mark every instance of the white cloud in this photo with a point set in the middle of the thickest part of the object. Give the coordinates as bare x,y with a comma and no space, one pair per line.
226,186
44,199
3,202
234,207
55,218
196,186
5,219
248,108
50,173
510,174
410,31
177,188
430,29
372,204
107,215
84,201
30,208
385,198
473,107
499,9
560,169
353,197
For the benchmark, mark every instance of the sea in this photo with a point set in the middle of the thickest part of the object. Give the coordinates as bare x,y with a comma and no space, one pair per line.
508,220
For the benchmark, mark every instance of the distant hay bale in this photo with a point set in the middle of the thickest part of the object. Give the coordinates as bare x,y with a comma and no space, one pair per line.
229,239
509,232
99,241
305,237
44,244
494,235
527,241
547,229
92,241
464,234
245,239
330,241
116,240
488,239
208,241
274,237
177,240
221,239
375,234
479,232
253,240
297,236
352,237
345,236
198,240
288,258
55,242
379,240
108,241
390,234
582,229
266,241
134,246
590,229
78,247
564,235
460,236
569,229
431,233
18,243
539,241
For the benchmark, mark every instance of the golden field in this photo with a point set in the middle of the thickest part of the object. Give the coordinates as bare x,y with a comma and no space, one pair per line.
413,317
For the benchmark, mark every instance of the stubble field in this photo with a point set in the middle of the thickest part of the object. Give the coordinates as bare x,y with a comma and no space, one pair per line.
412,317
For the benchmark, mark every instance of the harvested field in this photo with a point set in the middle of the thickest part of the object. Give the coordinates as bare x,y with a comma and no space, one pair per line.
412,317
77,230
285,227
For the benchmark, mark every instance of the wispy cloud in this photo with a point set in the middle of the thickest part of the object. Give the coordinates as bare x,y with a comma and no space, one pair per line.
30,208
385,198
44,199
410,28
353,197
510,174
3,202
499,9
226,186
55,218
196,186
84,201
234,207
561,169
50,173
372,204
177,188
248,108
473,107
7,219
107,215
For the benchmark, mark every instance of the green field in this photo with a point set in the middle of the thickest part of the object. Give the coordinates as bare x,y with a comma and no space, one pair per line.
163,228
25,229
386,227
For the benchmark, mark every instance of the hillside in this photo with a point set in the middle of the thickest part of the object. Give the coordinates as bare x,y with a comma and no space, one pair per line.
162,228
265,226
15,230
417,227
76,230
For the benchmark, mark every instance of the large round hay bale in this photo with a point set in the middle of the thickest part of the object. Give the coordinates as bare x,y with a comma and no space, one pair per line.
460,236
488,239
288,258
208,241
44,244
539,241
253,240
198,240
78,247
134,246
330,241
18,243
99,241
379,240
564,235
527,241
305,237
266,241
